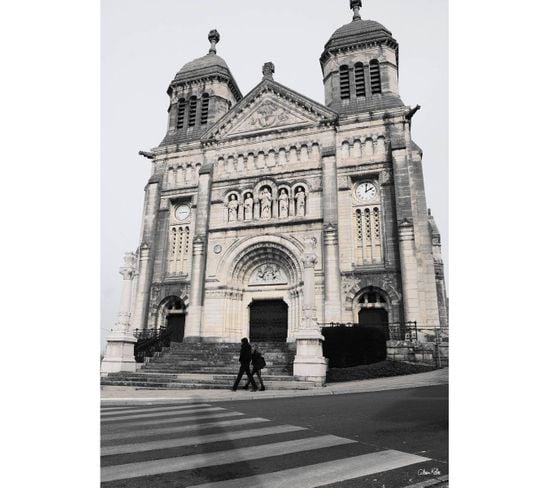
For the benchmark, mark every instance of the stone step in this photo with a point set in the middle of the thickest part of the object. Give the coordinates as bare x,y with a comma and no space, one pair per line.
212,370
209,365
201,362
273,385
194,377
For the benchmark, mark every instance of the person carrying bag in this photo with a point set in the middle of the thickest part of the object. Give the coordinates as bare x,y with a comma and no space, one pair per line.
258,363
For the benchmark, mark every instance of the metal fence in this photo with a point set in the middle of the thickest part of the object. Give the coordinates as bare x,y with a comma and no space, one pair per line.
396,331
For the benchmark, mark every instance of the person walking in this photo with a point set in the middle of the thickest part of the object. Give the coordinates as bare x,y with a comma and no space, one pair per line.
258,362
244,358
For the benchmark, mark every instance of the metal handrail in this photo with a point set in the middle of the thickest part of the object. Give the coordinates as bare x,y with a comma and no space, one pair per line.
149,341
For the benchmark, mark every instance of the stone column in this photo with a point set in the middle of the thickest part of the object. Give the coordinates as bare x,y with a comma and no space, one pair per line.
198,264
119,354
309,363
331,255
143,279
408,270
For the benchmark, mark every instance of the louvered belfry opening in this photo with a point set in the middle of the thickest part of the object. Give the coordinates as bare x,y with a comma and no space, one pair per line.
204,108
375,83
181,113
192,111
360,89
344,83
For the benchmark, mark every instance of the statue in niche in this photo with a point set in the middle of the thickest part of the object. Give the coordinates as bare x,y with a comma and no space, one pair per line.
248,206
233,206
265,201
300,202
283,204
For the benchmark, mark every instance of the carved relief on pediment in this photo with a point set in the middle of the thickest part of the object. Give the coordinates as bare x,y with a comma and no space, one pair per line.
266,114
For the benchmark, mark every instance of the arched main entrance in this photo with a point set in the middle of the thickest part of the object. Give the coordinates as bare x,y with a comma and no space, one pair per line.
373,318
268,320
172,312
264,289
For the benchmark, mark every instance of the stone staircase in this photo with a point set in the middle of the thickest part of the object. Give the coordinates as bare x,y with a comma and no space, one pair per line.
209,365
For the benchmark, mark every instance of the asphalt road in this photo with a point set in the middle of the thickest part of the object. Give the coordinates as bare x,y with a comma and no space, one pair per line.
413,420
401,433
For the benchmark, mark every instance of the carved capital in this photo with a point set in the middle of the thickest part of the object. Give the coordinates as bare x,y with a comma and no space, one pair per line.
129,268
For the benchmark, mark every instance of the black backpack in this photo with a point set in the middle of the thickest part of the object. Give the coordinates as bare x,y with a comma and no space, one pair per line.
258,360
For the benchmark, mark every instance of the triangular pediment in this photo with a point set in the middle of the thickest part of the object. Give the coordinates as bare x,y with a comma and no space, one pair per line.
269,107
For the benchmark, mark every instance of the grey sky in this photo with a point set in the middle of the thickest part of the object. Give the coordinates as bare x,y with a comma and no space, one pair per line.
145,42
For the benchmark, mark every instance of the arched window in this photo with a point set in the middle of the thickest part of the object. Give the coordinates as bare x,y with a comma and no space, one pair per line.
179,249
192,111
204,108
344,82
375,84
368,238
360,90
181,113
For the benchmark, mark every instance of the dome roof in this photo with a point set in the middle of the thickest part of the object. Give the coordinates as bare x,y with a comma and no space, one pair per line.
210,64
358,31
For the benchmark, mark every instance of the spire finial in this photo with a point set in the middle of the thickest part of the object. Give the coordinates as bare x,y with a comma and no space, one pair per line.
214,38
355,5
267,70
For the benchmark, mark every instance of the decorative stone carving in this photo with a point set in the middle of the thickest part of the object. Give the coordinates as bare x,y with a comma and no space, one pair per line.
300,202
268,70
267,115
233,208
129,268
268,274
389,285
309,258
265,202
348,283
248,207
283,204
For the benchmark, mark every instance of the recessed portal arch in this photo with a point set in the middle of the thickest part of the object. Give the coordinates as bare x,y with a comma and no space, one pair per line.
264,276
171,315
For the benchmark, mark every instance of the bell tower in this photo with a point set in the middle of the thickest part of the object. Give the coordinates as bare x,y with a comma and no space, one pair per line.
200,94
360,66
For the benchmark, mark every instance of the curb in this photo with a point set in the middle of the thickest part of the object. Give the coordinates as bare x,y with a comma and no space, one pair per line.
192,396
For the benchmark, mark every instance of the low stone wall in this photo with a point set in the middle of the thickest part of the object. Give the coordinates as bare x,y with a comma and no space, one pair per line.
425,352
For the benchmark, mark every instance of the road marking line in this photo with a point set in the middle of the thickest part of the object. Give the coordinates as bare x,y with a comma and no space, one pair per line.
153,409
175,420
199,439
171,465
160,414
184,428
324,473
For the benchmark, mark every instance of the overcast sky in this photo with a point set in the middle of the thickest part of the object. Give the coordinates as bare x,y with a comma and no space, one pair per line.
144,43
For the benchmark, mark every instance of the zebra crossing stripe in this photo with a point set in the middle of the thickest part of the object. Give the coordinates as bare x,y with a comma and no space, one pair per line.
171,465
160,414
196,440
153,409
183,428
174,420
322,474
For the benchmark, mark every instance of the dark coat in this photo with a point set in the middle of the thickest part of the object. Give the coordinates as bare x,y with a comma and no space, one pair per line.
246,353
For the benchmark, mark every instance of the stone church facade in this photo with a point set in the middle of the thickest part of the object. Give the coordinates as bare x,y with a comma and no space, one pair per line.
243,187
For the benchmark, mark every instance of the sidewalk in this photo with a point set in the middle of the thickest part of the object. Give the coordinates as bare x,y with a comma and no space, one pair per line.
123,395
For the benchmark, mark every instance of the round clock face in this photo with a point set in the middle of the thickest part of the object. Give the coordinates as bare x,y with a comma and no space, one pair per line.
366,191
183,212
